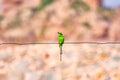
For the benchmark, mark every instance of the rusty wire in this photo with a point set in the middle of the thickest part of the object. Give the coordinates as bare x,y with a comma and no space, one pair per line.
29,43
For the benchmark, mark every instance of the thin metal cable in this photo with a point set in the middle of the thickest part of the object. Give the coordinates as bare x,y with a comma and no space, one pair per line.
28,43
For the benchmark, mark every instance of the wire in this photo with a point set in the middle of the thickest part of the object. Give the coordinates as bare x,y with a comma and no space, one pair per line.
29,43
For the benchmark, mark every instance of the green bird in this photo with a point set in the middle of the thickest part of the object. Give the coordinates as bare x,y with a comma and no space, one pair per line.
61,42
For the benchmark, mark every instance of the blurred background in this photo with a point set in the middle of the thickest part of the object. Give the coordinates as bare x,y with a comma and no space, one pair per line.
40,20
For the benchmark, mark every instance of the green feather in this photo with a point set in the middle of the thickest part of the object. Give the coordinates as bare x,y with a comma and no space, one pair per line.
61,42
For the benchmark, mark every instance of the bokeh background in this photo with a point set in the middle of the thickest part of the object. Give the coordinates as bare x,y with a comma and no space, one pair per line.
40,20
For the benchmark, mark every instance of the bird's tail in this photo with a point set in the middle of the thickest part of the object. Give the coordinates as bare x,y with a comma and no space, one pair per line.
60,53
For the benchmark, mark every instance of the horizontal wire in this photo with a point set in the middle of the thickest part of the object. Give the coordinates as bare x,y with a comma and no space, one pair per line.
28,43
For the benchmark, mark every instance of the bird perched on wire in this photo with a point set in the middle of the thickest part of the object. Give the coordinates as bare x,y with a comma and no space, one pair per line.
60,42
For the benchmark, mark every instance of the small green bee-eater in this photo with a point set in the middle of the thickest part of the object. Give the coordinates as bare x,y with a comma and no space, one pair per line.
60,41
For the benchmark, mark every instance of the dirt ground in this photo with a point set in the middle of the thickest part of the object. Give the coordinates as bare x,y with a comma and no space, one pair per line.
42,62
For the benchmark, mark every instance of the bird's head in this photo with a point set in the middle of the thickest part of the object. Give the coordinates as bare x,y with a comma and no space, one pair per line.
60,34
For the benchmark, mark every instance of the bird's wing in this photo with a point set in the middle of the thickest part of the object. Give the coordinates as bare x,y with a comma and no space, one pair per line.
61,40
